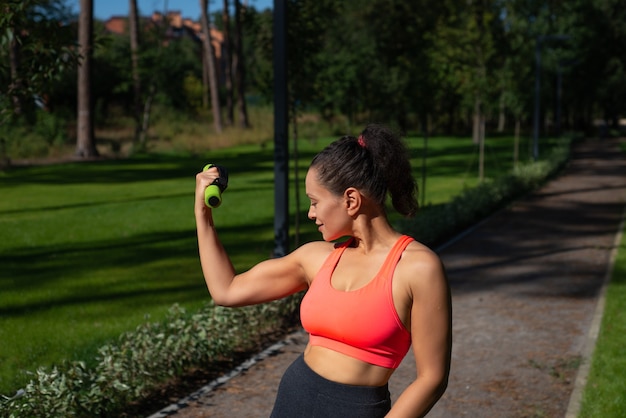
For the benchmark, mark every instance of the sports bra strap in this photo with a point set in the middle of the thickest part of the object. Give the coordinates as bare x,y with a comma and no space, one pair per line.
391,262
388,267
335,255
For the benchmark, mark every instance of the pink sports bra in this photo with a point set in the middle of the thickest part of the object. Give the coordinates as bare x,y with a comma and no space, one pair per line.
362,323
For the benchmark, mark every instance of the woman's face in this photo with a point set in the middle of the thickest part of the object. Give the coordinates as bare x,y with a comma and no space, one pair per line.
327,209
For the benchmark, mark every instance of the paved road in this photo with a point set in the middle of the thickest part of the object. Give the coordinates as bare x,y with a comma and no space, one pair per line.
525,288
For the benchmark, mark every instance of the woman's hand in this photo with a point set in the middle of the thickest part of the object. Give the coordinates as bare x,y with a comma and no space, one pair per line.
203,180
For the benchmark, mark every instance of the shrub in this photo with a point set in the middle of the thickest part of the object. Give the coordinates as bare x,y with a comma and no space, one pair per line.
41,134
141,360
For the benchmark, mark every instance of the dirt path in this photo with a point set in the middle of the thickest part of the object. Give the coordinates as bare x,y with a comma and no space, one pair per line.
525,285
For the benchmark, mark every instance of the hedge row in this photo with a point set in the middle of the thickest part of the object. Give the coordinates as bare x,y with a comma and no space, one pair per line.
139,361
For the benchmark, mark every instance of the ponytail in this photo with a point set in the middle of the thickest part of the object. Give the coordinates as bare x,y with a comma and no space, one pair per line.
377,163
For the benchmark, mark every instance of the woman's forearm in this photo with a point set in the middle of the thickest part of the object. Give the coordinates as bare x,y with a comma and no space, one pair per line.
417,399
217,268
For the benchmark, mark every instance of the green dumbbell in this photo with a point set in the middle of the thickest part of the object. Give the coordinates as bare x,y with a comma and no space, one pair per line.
213,193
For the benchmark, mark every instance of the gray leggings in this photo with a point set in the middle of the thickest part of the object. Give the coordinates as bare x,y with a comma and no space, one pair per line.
302,393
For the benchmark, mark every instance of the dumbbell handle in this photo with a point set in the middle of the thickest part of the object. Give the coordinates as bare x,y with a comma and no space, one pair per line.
213,193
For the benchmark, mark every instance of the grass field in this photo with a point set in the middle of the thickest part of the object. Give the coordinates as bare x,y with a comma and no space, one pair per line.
605,391
90,250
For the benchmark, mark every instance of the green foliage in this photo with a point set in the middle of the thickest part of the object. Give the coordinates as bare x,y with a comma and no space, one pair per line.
258,47
165,70
41,45
47,133
142,359
420,65
193,90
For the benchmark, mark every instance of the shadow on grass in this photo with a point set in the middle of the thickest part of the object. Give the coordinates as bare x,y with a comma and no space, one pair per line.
168,262
141,168
94,203
446,160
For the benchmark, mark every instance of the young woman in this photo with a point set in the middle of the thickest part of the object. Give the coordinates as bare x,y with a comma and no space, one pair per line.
369,298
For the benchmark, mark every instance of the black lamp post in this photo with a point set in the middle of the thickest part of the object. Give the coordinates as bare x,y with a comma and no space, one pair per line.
281,154
540,40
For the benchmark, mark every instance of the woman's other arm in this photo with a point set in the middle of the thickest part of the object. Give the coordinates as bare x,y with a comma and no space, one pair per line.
431,334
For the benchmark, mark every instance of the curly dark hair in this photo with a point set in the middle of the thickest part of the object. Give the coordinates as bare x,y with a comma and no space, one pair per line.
376,163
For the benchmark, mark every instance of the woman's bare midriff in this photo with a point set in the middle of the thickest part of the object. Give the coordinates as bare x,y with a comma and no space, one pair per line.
341,368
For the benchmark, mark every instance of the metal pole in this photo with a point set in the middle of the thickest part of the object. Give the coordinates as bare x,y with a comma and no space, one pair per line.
540,39
537,96
559,92
281,147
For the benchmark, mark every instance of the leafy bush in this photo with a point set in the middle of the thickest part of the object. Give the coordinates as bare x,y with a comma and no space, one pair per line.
38,135
140,360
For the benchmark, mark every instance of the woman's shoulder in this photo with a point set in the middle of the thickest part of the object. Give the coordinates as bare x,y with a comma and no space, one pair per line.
416,249
419,262
312,255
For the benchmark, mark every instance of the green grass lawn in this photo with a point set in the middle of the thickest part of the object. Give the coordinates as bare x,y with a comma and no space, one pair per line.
605,391
90,250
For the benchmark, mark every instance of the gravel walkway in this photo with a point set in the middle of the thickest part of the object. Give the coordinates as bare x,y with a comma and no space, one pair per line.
526,285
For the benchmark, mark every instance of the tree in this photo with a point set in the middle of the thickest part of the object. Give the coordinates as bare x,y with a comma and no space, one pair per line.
337,73
133,27
258,47
609,17
397,79
36,48
85,138
240,69
16,84
227,56
514,74
209,66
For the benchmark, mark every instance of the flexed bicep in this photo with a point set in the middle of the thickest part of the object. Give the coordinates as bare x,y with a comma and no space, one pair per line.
269,280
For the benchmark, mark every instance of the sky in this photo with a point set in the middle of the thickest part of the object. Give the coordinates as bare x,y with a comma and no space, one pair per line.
103,9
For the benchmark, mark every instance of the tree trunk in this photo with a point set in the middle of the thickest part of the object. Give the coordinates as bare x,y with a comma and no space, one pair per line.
240,69
206,100
147,107
516,142
133,26
426,122
228,74
85,140
481,141
502,114
476,121
209,65
296,169
16,82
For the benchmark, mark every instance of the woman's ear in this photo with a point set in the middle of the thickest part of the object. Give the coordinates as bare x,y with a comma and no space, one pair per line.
353,200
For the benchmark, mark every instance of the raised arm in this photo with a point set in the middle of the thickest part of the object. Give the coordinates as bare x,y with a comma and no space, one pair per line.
431,334
269,280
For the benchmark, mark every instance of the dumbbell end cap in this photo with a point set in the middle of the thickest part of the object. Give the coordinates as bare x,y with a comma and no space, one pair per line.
214,201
